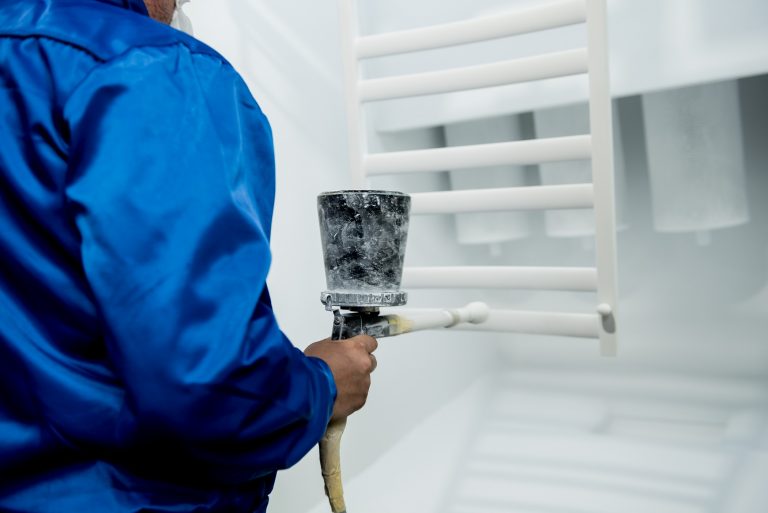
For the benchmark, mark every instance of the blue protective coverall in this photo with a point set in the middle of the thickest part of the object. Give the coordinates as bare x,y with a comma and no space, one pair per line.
141,366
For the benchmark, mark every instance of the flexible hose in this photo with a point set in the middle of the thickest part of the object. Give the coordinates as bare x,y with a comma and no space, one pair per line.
330,444
330,464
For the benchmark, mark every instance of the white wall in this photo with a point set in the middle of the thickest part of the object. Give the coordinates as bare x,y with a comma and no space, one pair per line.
289,54
654,45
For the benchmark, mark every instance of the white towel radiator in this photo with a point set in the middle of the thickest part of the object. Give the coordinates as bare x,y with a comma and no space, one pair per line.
597,146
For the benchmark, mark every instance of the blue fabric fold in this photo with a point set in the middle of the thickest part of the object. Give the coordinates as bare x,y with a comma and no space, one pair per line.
141,365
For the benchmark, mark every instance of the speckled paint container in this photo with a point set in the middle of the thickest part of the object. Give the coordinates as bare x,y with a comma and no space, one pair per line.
364,235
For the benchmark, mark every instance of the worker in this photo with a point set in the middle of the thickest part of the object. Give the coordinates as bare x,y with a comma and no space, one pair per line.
141,365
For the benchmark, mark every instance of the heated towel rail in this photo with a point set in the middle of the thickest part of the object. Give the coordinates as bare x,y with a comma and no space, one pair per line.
596,146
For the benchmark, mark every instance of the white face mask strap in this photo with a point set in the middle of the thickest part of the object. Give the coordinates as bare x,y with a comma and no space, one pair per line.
180,20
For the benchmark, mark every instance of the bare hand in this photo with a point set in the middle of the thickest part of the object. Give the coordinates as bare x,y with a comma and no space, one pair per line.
351,362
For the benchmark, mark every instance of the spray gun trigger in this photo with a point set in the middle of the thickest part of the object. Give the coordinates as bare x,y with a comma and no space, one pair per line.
327,300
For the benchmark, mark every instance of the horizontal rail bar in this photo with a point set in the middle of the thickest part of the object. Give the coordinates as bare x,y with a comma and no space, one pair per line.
501,277
528,322
539,323
528,69
524,21
541,197
520,153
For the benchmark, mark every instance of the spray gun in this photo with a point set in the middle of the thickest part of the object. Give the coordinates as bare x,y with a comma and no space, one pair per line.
364,233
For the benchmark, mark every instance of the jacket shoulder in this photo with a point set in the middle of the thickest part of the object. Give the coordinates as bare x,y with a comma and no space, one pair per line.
103,30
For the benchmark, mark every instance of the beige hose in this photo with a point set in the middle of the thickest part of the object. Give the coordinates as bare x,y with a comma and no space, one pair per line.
330,464
330,444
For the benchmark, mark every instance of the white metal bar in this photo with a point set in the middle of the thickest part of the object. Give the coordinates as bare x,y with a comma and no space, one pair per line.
501,277
551,65
352,75
602,172
539,323
524,21
539,197
528,322
536,151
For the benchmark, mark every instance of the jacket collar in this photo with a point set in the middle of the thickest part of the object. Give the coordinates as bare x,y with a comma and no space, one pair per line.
132,5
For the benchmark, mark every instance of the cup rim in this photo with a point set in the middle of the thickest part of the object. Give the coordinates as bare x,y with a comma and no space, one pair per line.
364,191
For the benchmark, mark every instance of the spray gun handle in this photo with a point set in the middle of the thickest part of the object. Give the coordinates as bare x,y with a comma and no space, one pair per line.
350,324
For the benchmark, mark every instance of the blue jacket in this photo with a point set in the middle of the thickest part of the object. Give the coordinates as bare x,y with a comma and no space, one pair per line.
141,366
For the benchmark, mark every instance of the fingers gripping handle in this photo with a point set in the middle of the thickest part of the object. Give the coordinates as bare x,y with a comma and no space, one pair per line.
330,464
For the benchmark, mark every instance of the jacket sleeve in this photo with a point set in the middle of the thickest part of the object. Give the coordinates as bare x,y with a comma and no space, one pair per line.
171,187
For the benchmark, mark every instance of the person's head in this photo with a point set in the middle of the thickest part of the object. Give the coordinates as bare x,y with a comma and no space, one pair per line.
170,13
161,10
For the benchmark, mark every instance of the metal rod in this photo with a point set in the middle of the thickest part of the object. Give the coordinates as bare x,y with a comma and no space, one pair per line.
539,197
517,153
536,323
602,171
357,142
539,67
502,277
523,21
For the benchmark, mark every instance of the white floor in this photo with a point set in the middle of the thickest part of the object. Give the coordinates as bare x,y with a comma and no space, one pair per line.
555,442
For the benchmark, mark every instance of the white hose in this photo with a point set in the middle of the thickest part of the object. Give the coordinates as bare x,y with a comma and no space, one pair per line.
474,313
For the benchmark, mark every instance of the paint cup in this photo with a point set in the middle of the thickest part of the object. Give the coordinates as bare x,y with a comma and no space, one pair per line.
364,233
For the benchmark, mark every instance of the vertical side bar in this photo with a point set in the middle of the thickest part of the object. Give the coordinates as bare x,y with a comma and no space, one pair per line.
602,172
355,123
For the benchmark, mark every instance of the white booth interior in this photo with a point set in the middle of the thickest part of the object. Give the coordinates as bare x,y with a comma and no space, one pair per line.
469,422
